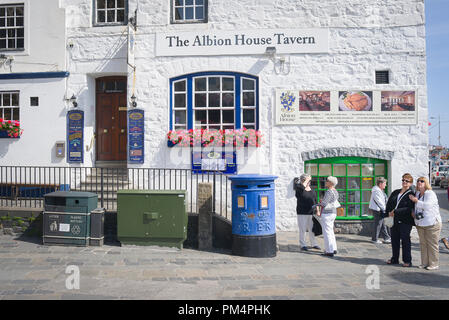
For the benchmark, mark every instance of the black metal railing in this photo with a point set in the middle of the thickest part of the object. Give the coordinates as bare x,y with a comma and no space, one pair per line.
25,186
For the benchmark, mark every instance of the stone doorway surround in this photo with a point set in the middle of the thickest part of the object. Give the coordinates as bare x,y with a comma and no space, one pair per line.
347,152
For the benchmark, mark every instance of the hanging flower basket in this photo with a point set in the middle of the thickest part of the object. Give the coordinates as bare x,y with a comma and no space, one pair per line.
10,129
216,138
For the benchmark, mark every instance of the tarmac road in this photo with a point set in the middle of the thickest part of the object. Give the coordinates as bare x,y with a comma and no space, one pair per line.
442,197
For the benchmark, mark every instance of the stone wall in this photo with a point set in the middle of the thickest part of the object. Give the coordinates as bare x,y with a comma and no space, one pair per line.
21,222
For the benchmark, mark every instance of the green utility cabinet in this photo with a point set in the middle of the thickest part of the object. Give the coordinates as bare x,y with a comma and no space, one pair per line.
66,217
152,217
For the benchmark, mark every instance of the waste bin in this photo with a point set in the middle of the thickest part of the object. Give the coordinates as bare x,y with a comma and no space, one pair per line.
253,215
66,217
152,217
97,227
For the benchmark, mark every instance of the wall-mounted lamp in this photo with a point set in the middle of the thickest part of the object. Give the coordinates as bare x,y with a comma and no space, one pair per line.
271,52
133,101
279,64
133,20
73,101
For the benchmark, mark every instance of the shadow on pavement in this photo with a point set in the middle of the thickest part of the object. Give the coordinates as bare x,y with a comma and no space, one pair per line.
361,261
108,241
427,279
30,239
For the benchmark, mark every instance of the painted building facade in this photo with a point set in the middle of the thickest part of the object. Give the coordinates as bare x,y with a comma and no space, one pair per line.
198,64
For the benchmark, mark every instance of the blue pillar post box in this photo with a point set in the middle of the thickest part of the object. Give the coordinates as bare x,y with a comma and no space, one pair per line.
253,215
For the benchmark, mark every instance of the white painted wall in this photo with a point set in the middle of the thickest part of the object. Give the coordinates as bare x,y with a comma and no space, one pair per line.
43,125
44,52
45,30
365,36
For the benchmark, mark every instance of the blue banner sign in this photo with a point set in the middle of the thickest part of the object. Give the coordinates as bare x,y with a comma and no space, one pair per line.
75,136
136,136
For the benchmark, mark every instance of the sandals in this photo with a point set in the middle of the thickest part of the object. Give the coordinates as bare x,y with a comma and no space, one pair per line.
407,265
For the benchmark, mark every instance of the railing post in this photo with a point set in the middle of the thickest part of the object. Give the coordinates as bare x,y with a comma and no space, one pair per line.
214,193
101,187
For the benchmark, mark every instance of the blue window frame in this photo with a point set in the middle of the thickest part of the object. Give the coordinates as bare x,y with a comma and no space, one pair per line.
214,100
186,96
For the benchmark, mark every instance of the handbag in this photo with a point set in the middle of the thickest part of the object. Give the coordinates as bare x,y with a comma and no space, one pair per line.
389,221
383,214
333,205
316,229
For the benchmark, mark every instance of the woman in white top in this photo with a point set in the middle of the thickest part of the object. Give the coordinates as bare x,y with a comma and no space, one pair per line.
328,216
428,223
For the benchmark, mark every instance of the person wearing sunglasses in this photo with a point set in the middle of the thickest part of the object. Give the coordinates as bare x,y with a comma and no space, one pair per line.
400,206
428,223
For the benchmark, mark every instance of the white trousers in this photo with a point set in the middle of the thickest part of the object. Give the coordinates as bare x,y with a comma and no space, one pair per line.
305,223
327,224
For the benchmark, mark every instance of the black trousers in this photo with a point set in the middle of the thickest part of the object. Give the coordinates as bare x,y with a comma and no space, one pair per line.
400,232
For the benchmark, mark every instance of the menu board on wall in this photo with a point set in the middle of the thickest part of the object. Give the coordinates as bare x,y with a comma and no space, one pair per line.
208,159
346,107
135,136
75,135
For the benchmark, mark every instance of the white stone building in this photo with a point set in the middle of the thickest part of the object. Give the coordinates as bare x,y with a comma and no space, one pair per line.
224,64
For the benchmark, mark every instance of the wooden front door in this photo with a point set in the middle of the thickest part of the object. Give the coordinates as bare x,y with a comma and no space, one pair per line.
111,119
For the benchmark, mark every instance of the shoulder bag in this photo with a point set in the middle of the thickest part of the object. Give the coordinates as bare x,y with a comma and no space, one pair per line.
333,205
389,221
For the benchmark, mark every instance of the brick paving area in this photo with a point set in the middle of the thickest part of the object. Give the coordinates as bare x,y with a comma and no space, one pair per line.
30,270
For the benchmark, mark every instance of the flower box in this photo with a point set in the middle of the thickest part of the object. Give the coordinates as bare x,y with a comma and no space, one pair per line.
215,138
10,129
4,135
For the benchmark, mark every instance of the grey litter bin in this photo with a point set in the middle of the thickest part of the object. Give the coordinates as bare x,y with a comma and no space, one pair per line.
97,227
66,217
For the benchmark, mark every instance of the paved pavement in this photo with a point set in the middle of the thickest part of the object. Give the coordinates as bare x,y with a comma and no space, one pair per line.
29,270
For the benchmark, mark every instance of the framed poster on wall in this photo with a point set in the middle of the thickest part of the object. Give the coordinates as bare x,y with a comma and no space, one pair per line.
75,136
136,133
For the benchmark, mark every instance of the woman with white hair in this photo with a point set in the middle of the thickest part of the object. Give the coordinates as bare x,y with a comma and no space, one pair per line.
328,215
306,199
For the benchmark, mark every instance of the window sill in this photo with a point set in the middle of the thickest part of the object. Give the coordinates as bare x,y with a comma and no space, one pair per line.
114,24
358,218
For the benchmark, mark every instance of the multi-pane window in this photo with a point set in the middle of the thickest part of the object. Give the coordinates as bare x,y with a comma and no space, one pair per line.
9,105
12,30
356,177
180,104
214,100
189,10
214,103
109,12
248,103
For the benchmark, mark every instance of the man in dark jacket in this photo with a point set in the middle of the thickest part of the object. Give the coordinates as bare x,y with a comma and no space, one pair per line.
401,207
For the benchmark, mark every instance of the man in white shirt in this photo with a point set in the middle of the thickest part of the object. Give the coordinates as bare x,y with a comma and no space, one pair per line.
377,206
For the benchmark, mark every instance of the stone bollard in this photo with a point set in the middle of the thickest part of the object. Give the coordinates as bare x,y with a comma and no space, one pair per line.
204,203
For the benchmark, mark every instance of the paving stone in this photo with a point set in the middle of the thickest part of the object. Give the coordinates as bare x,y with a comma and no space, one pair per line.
32,271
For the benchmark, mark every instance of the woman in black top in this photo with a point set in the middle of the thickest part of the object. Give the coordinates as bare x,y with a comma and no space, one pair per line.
401,207
306,198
